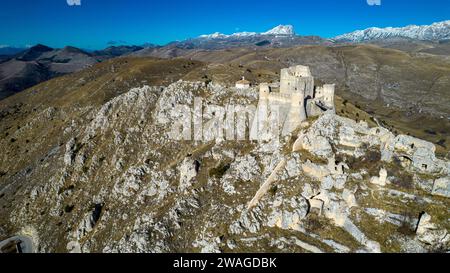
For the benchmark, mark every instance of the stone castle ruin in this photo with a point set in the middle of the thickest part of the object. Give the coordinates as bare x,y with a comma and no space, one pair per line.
295,98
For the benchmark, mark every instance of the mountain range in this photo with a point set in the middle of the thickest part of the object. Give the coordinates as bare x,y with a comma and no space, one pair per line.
282,36
287,30
438,31
8,50
40,63
435,32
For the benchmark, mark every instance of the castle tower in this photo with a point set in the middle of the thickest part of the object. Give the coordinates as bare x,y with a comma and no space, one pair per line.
318,94
297,79
260,118
295,101
264,90
328,95
297,113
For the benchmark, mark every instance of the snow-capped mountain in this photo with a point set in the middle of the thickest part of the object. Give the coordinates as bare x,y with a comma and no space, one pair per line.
282,36
281,30
287,30
434,32
218,35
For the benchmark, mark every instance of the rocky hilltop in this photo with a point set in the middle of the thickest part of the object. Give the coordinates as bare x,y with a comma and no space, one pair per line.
113,181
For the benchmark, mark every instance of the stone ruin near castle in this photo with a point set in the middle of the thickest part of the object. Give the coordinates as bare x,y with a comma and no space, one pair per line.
296,98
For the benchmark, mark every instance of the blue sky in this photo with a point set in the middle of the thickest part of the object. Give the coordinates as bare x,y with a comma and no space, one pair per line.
95,23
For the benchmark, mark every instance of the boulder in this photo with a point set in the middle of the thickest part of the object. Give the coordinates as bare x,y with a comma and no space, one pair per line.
348,137
427,232
188,171
315,171
420,152
441,187
73,247
349,198
289,214
69,155
381,180
315,144
336,211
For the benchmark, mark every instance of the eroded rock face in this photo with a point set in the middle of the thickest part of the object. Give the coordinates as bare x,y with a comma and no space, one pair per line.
118,183
315,171
288,214
316,144
242,170
188,171
441,187
355,139
428,233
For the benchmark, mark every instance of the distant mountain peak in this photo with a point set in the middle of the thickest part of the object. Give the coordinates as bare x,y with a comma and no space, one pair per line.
434,32
33,52
214,35
72,49
278,30
40,47
281,30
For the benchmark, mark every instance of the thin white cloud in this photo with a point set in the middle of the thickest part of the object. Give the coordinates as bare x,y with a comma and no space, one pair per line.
3,46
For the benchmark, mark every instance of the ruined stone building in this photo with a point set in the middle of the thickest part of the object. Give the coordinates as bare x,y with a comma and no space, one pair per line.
243,84
296,98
